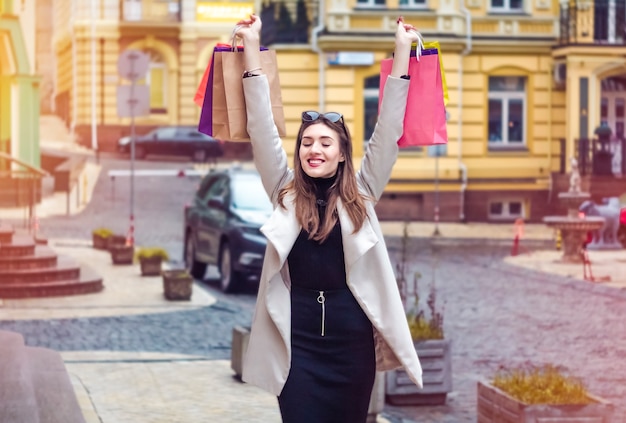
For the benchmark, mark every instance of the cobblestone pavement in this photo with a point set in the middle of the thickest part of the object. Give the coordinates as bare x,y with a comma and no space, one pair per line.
495,314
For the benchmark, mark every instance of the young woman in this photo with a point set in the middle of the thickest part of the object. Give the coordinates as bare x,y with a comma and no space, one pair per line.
328,312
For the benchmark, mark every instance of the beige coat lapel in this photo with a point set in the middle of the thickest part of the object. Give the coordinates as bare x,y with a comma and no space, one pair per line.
357,244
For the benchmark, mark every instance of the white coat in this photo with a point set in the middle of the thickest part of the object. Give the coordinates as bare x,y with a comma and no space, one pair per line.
369,273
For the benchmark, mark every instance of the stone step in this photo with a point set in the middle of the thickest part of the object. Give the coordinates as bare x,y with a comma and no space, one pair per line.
34,384
17,396
18,247
42,258
10,339
53,389
65,269
88,282
6,233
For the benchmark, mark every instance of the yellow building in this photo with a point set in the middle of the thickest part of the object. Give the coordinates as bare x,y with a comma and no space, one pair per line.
529,82
19,84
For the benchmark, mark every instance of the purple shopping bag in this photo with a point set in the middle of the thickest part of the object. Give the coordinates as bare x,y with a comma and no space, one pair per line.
205,125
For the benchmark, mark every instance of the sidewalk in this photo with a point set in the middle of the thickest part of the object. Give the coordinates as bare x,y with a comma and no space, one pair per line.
164,388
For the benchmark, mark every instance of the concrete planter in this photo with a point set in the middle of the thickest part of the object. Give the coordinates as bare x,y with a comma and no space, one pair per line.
122,254
150,266
436,360
177,285
115,241
99,242
241,336
495,406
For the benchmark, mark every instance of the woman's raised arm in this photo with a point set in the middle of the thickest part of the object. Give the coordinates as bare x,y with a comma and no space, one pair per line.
250,32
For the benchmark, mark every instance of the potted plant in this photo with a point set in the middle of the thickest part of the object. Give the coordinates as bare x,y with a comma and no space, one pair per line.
538,393
100,238
150,259
115,241
177,284
433,349
122,254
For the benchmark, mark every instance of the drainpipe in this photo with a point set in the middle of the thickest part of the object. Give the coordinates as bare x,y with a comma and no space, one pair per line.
320,59
465,52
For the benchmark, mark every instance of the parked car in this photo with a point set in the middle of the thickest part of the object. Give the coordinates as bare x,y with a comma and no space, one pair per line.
174,140
222,227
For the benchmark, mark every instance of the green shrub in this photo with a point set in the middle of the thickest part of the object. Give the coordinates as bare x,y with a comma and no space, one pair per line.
541,385
103,232
152,252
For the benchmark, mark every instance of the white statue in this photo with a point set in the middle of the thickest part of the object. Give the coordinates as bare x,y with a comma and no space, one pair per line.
606,236
574,179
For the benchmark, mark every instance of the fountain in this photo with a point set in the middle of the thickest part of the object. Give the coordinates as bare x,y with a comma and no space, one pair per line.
573,227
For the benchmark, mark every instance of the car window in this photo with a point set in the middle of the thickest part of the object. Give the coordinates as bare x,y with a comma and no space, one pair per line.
248,193
218,189
165,133
205,185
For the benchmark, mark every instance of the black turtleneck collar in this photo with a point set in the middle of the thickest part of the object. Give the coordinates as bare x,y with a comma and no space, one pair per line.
322,185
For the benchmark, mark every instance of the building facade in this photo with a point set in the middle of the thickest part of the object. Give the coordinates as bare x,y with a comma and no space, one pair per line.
19,86
529,83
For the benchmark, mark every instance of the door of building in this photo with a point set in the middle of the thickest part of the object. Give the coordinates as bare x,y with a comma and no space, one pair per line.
613,114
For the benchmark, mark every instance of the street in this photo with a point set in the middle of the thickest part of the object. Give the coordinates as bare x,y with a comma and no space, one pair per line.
495,315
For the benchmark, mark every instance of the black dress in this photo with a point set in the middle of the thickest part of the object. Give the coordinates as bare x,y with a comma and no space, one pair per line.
333,363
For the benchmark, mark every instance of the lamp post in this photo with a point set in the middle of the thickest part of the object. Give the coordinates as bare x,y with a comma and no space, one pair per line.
437,151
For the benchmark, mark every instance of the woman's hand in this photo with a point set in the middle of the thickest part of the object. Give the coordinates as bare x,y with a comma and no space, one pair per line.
249,30
406,35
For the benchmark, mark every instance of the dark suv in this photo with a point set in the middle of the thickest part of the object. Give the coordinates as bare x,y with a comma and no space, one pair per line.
222,227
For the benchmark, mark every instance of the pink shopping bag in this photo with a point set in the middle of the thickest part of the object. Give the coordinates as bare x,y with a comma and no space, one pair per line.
425,117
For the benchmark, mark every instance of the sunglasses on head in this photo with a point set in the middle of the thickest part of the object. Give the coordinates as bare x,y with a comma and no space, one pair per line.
312,116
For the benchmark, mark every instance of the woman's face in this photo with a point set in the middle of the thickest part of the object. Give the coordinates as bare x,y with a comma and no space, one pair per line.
320,151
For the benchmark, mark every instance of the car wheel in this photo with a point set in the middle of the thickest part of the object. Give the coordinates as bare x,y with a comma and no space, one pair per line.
197,269
140,152
229,278
199,156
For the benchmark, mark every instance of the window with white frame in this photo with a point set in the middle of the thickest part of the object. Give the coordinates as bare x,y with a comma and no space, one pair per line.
507,5
370,3
412,4
507,110
157,80
506,209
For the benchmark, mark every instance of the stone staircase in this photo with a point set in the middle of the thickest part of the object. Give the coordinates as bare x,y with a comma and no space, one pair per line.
30,268
34,384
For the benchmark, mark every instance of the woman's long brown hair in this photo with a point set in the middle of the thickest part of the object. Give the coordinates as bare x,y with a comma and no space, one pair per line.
344,187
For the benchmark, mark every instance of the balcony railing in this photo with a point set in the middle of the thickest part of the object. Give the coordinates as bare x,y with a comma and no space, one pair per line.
596,157
150,10
596,22
288,21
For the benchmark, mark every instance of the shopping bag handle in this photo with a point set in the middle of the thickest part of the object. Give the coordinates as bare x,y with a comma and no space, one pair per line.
233,37
419,44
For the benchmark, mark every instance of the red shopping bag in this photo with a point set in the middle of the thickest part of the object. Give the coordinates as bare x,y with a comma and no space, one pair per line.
425,116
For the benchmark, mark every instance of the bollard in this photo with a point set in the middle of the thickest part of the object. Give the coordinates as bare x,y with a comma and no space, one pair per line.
518,227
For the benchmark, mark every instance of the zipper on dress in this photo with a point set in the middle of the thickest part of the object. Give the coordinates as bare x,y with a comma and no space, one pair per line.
322,301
